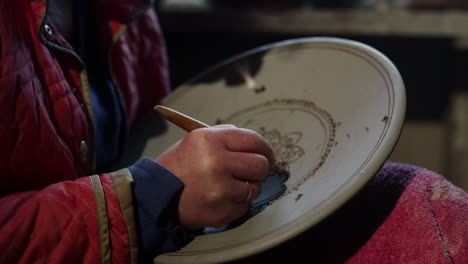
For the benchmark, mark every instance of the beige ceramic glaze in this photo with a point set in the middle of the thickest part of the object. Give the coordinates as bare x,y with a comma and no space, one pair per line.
333,110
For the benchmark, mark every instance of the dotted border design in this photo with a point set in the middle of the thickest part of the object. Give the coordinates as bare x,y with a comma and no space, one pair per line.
324,117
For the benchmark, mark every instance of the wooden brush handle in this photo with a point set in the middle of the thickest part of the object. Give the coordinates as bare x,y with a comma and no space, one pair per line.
181,120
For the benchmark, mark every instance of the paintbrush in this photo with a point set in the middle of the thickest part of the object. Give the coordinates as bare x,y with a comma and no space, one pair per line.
188,124
183,121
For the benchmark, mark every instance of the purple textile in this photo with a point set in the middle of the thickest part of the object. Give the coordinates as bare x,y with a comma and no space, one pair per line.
404,214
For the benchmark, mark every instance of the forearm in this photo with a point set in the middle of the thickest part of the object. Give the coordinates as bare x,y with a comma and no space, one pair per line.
71,221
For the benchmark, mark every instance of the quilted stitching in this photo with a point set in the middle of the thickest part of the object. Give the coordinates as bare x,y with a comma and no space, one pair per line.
43,120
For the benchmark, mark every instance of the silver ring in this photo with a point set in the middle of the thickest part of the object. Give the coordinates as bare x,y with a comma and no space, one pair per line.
250,192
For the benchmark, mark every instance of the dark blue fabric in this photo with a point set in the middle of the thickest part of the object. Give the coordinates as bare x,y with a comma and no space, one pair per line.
273,186
109,116
156,192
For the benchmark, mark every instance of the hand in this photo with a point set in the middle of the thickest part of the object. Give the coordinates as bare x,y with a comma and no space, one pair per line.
215,164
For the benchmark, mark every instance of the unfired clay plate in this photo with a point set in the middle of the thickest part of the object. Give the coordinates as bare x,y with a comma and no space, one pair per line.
332,109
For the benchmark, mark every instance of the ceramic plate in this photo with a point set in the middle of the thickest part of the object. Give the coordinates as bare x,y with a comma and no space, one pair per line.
332,109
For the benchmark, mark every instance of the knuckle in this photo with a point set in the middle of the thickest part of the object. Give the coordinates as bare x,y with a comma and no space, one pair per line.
215,195
198,135
202,147
208,164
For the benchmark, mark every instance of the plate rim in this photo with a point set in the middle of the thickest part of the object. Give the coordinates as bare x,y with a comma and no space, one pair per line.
304,222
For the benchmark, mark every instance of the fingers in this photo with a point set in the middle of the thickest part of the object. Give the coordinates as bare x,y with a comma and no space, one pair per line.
244,192
248,166
221,168
246,140
233,190
196,215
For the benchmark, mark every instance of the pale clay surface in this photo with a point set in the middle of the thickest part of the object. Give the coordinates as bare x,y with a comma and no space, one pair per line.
332,109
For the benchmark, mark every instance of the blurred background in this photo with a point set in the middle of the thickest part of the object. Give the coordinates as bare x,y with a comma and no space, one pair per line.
427,40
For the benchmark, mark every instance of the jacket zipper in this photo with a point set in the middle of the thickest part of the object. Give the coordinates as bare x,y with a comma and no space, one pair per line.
84,85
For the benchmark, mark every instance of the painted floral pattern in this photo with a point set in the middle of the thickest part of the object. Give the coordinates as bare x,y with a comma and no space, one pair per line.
285,146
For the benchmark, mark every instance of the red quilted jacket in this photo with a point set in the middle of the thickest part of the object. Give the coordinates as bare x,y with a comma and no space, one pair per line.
52,211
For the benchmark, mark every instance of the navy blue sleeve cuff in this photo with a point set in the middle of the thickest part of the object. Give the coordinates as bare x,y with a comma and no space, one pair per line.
156,192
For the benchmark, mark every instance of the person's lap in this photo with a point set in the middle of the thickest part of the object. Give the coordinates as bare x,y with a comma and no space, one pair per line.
404,214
